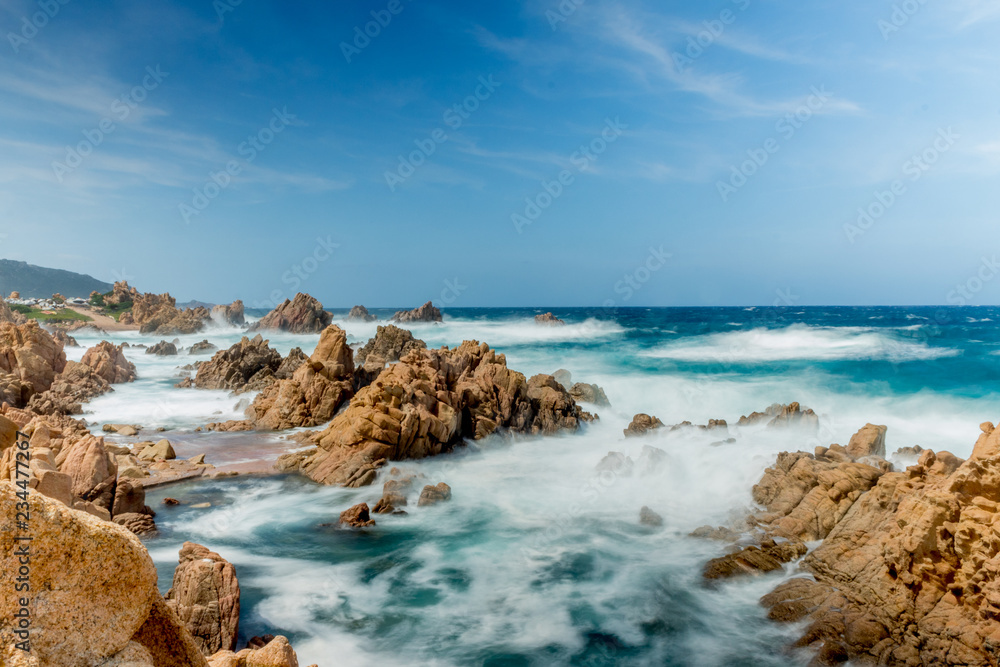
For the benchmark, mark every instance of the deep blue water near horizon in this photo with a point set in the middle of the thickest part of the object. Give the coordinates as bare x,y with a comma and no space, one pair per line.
539,558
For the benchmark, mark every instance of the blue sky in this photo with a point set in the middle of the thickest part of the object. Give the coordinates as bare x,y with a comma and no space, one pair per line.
643,119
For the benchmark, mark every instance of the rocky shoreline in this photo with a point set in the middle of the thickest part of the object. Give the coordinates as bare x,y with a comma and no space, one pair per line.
899,567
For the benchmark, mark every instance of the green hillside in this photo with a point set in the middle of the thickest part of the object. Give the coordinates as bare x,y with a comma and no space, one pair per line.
35,282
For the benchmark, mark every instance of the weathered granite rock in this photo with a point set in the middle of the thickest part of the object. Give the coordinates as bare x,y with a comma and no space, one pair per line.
360,314
246,366
869,441
314,392
161,450
389,344
779,415
162,349
121,294
276,653
108,362
158,314
93,598
8,316
432,495
30,360
425,313
589,393
93,471
296,357
648,517
206,598
303,314
204,347
642,424
233,314
358,516
64,338
394,493
548,319
429,402
911,574
752,559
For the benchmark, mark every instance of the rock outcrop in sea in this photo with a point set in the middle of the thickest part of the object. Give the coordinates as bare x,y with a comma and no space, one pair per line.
249,365
360,314
301,315
425,313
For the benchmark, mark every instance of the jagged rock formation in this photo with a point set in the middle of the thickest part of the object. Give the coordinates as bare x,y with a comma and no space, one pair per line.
206,598
8,316
109,363
303,314
389,344
429,402
782,415
358,516
589,393
157,314
163,349
246,366
121,294
314,392
425,313
30,360
910,575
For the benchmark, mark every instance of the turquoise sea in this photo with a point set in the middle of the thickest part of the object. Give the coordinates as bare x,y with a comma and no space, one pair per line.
539,558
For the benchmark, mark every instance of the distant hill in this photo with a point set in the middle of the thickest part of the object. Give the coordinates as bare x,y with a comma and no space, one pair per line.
36,282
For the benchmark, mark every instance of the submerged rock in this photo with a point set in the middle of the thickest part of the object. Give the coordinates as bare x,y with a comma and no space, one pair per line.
648,517
301,315
358,516
432,495
204,347
548,319
163,349
782,415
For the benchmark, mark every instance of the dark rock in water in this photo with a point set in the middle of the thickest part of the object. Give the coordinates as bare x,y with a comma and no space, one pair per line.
247,366
754,560
203,347
358,516
360,314
162,349
648,517
642,424
425,313
171,501
394,493
548,319
260,642
782,415
589,393
712,533
432,495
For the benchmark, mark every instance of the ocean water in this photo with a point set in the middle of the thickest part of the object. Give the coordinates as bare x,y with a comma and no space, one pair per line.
539,558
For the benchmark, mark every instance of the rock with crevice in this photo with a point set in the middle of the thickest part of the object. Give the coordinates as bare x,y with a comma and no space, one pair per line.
206,598
108,361
358,516
246,366
162,349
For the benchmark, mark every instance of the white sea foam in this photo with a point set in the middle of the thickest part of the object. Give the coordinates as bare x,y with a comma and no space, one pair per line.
798,342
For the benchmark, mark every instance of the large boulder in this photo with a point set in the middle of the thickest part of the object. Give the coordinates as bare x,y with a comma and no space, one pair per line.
206,598
589,393
233,314
642,424
246,366
548,319
108,362
93,597
163,349
869,441
30,360
425,313
314,392
427,403
92,469
302,315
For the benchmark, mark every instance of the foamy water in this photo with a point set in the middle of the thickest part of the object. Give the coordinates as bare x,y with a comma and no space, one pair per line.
539,558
